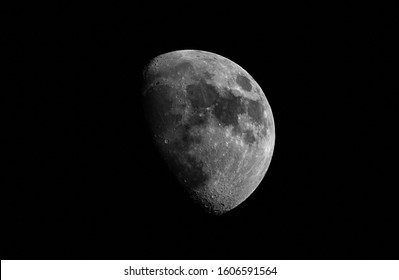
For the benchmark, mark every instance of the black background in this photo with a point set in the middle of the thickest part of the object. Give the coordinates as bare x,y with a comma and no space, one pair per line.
82,180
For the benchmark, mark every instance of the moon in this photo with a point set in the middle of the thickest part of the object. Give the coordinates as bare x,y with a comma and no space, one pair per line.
212,124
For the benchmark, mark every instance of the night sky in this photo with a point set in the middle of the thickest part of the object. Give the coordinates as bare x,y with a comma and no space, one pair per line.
82,179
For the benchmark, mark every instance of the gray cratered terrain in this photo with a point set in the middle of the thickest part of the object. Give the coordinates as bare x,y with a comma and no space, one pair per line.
212,124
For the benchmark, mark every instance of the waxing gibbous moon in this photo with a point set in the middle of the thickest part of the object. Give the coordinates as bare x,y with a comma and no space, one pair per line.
212,124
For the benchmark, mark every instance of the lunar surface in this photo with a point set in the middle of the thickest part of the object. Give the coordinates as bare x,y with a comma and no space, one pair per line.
212,124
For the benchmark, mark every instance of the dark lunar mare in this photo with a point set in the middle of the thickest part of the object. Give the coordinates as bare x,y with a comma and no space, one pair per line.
249,137
255,111
226,108
243,82
229,107
201,94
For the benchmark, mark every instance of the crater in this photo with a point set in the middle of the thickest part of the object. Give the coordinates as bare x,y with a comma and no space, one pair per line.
243,82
